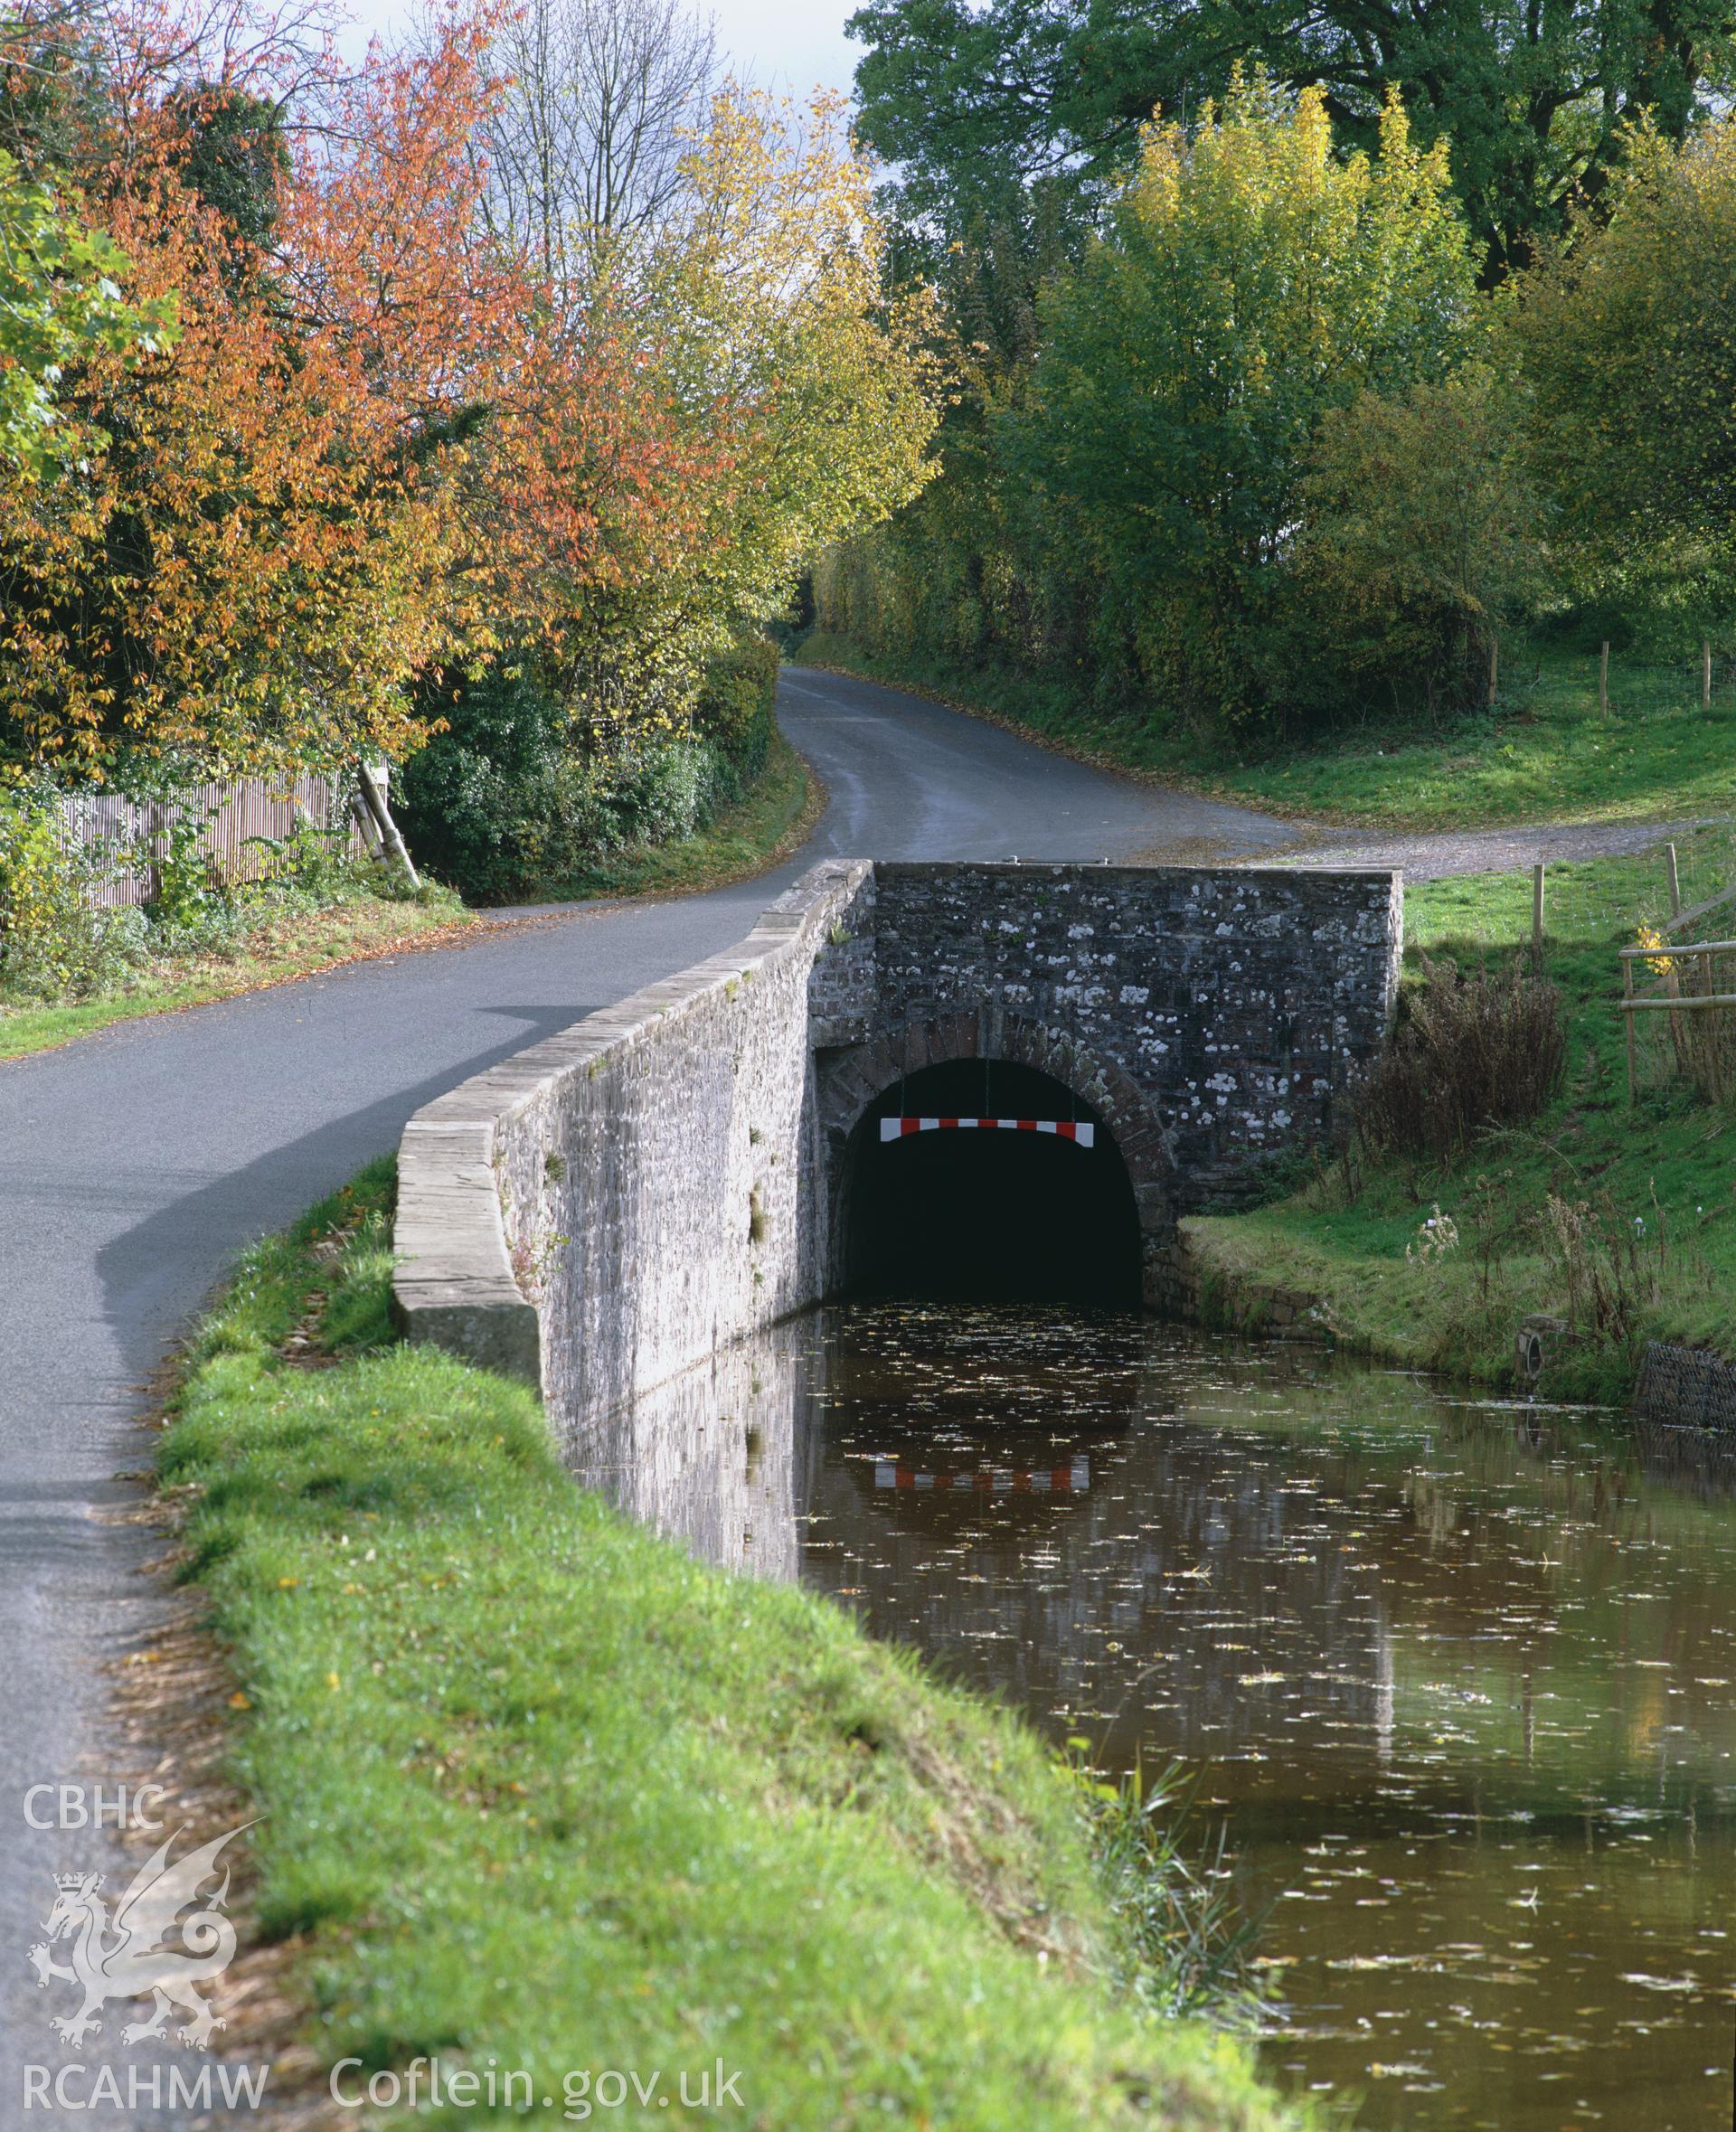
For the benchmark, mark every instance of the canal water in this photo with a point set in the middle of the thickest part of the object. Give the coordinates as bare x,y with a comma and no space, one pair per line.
1459,1676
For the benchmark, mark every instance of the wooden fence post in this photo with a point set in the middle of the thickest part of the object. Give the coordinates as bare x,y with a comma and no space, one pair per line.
1603,680
1676,881
1628,994
1537,873
1705,673
361,814
375,801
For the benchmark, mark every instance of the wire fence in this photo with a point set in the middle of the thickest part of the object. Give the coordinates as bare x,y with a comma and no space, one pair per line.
1628,685
240,820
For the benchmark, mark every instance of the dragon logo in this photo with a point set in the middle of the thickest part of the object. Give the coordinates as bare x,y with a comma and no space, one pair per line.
127,1956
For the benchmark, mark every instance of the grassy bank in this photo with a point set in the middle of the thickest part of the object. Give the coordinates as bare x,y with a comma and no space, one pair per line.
284,940
774,817
285,944
1653,1186
1545,754
538,1787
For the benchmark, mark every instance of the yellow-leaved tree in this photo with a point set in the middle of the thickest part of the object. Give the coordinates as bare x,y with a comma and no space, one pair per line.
771,325
1251,280
801,393
740,279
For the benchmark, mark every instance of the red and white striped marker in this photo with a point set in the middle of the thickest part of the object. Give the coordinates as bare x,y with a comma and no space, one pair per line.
1070,1479
1063,1128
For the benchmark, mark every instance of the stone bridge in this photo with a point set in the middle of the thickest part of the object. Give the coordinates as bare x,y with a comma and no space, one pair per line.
622,1201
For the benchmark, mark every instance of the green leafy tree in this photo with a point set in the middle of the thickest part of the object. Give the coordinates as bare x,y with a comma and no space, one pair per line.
1250,281
1626,335
970,100
59,301
1423,539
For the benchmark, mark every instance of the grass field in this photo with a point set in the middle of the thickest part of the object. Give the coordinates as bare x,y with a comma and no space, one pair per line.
1657,1180
1544,754
537,1787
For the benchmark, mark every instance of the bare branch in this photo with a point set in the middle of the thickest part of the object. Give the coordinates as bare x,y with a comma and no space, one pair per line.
584,151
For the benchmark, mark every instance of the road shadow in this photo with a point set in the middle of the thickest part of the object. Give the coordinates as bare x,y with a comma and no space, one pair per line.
208,1227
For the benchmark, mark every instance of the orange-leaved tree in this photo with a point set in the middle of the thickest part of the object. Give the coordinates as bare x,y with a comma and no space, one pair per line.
368,450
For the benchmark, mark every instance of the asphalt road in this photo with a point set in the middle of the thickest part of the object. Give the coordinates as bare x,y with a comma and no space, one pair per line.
136,1163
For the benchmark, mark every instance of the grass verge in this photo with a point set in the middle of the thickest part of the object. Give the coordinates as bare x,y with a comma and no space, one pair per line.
296,944
538,1787
1657,1181
1544,754
774,817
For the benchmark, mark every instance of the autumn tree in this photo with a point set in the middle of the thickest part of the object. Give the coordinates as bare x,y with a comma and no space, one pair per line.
246,571
747,277
800,399
299,507
407,449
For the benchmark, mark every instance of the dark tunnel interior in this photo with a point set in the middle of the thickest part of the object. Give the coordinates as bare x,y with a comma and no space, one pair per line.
987,1215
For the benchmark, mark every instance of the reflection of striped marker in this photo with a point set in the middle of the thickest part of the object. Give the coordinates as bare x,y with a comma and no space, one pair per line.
1054,1480
1063,1129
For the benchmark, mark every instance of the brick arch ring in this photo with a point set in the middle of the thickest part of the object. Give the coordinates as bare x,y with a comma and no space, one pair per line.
852,1079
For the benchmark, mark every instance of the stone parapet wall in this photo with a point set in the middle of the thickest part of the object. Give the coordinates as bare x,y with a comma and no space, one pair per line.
616,1203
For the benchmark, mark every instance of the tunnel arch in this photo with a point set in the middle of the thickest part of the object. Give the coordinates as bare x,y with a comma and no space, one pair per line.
966,1064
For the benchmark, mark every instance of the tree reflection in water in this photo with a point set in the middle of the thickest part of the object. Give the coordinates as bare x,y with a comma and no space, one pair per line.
1462,1676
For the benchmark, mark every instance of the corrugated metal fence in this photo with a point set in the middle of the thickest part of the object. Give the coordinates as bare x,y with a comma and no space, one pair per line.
231,812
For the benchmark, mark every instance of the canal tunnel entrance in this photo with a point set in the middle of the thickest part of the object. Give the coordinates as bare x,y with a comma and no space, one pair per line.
955,1207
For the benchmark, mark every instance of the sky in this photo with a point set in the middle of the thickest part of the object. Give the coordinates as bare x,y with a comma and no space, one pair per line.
796,45
792,46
